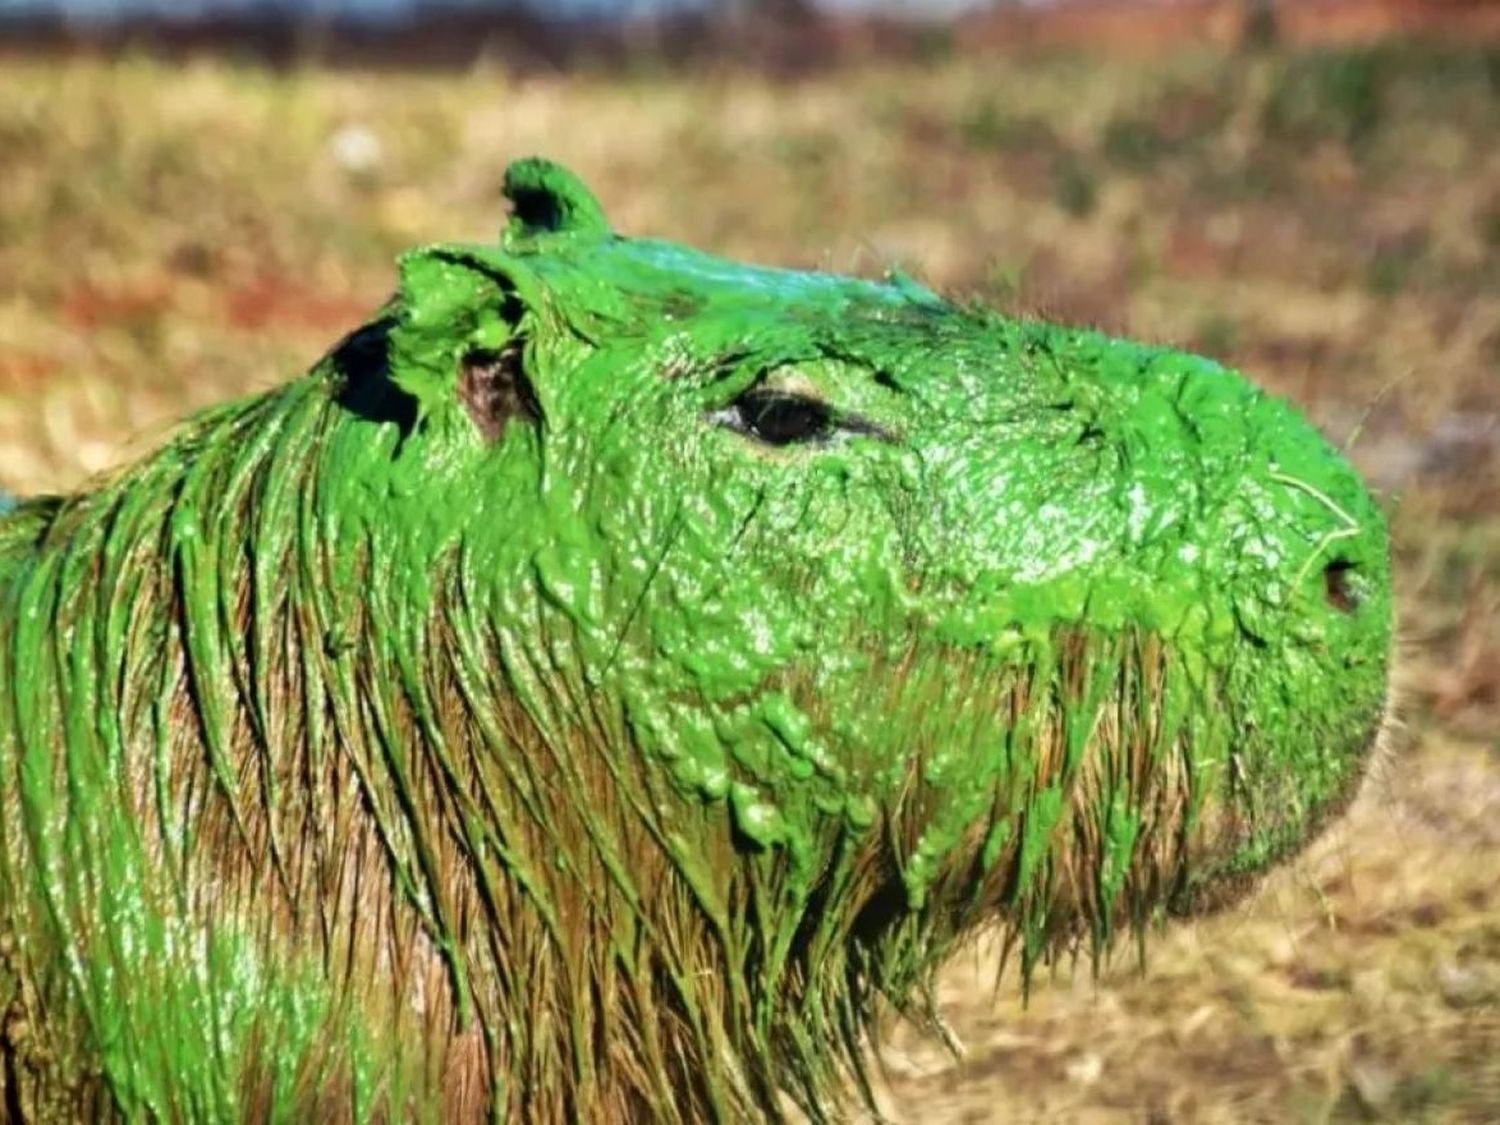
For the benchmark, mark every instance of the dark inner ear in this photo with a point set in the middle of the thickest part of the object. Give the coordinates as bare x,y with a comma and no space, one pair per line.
492,383
536,208
494,389
365,388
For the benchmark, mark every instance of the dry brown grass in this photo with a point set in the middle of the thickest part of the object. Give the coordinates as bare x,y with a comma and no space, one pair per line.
170,237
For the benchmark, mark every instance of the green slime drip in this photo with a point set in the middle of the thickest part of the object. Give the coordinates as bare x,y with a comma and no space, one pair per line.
495,723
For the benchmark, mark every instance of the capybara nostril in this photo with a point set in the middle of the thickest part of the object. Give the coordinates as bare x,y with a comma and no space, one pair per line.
1336,583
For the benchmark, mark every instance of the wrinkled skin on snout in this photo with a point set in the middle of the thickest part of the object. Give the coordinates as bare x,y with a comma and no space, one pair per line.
615,673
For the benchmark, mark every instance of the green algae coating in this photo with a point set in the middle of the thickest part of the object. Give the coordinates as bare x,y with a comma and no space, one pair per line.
615,675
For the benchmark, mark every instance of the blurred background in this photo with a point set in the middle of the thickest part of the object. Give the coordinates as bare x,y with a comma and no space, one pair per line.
196,199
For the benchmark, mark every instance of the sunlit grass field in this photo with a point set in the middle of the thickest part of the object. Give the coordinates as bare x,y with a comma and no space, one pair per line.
173,236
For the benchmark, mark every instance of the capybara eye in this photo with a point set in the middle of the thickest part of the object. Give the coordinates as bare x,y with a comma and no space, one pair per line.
778,418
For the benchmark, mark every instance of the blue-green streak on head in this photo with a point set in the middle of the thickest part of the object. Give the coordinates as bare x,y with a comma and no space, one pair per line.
690,654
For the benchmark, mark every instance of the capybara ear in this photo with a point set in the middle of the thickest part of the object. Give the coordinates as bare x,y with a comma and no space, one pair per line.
457,330
546,198
494,388
457,336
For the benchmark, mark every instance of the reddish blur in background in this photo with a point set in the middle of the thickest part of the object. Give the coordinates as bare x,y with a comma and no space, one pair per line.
196,199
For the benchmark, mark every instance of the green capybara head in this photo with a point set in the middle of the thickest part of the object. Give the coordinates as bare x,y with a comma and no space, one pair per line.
711,648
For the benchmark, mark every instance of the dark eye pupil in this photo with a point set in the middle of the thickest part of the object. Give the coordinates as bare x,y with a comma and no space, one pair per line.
780,419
